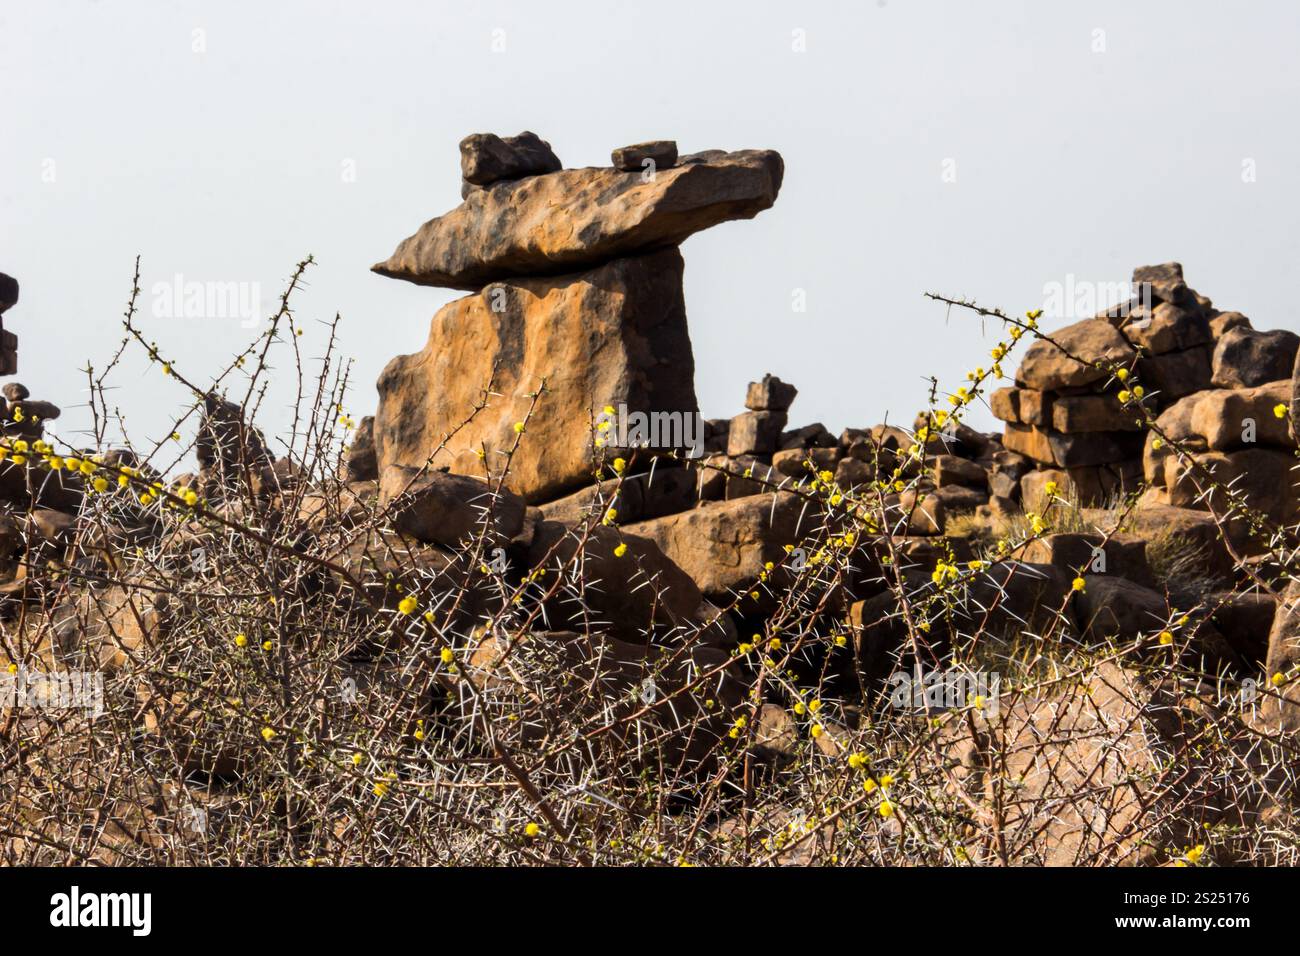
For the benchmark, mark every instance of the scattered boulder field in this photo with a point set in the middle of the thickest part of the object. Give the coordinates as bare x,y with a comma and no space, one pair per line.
552,409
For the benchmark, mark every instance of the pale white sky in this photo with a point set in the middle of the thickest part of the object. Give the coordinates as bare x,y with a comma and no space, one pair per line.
1075,152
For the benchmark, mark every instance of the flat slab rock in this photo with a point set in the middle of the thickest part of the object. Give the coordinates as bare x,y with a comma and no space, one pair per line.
578,218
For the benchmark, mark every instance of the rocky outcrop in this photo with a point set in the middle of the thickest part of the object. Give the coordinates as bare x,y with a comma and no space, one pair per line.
1077,411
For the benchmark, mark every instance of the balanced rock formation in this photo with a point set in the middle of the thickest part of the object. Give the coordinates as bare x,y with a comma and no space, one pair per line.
575,219
578,310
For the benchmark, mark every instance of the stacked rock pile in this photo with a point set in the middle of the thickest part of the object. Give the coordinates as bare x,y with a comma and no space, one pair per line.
1067,413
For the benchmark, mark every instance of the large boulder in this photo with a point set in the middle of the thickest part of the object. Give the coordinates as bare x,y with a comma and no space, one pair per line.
637,497
1172,375
1244,358
1235,418
614,336
578,218
1084,345
1264,477
724,545
623,585
1167,328
439,508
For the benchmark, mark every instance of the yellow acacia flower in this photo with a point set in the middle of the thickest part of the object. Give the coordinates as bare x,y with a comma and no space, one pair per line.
532,831
620,550
1279,410
446,655
241,640
268,734
408,604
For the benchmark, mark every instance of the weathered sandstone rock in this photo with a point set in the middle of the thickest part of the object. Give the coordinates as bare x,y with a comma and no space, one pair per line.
1166,328
641,157
724,545
1080,449
486,158
650,494
1166,280
1282,707
1175,374
755,433
1244,358
359,463
1265,477
579,218
615,336
439,508
630,596
1121,554
1221,323
1228,419
770,395
1092,341
1092,413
